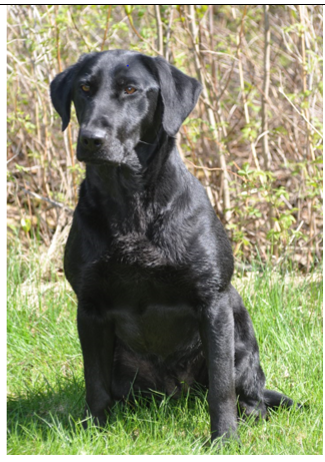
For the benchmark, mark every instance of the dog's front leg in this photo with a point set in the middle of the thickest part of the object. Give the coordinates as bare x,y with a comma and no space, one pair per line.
217,334
97,343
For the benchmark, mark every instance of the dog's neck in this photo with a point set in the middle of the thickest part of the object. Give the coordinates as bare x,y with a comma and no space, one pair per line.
146,150
123,191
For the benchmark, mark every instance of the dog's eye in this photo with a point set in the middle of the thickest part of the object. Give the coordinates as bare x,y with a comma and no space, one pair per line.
85,88
129,90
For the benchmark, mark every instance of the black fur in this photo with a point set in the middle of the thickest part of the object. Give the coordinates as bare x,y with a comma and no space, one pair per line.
147,256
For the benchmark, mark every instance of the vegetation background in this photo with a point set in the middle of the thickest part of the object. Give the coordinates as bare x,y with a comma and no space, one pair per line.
254,139
255,142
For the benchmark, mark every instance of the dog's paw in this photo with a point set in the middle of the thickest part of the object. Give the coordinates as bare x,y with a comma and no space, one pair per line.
228,441
99,420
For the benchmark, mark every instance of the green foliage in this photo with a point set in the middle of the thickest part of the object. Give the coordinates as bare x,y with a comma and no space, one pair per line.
25,224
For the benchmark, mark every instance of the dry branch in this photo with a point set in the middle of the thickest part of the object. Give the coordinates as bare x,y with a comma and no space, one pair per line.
246,78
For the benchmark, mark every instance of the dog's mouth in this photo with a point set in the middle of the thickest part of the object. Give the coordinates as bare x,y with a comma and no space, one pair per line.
99,161
99,157
111,155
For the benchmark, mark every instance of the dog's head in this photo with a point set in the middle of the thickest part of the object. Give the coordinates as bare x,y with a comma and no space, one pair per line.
122,99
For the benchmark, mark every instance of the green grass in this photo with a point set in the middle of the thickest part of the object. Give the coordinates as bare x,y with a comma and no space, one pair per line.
46,388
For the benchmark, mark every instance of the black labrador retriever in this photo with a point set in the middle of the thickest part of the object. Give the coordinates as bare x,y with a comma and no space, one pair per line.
147,256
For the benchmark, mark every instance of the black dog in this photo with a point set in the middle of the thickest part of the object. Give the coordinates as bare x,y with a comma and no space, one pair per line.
147,257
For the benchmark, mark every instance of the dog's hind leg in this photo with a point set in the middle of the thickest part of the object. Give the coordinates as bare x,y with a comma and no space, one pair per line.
250,378
253,398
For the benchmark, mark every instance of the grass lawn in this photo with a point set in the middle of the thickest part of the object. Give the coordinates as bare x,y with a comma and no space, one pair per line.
46,388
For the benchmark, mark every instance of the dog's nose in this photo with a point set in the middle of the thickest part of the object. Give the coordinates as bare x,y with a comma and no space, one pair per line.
92,139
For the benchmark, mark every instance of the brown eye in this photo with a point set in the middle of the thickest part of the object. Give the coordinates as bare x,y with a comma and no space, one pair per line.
129,90
85,88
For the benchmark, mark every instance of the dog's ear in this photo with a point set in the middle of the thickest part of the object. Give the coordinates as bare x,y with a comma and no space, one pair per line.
61,90
179,94
61,94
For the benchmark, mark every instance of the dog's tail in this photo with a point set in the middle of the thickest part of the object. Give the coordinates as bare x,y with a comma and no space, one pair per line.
274,400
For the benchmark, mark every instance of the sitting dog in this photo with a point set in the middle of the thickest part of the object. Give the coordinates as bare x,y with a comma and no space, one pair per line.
147,257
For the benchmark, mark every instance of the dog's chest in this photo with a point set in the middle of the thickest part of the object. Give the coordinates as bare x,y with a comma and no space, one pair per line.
151,299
